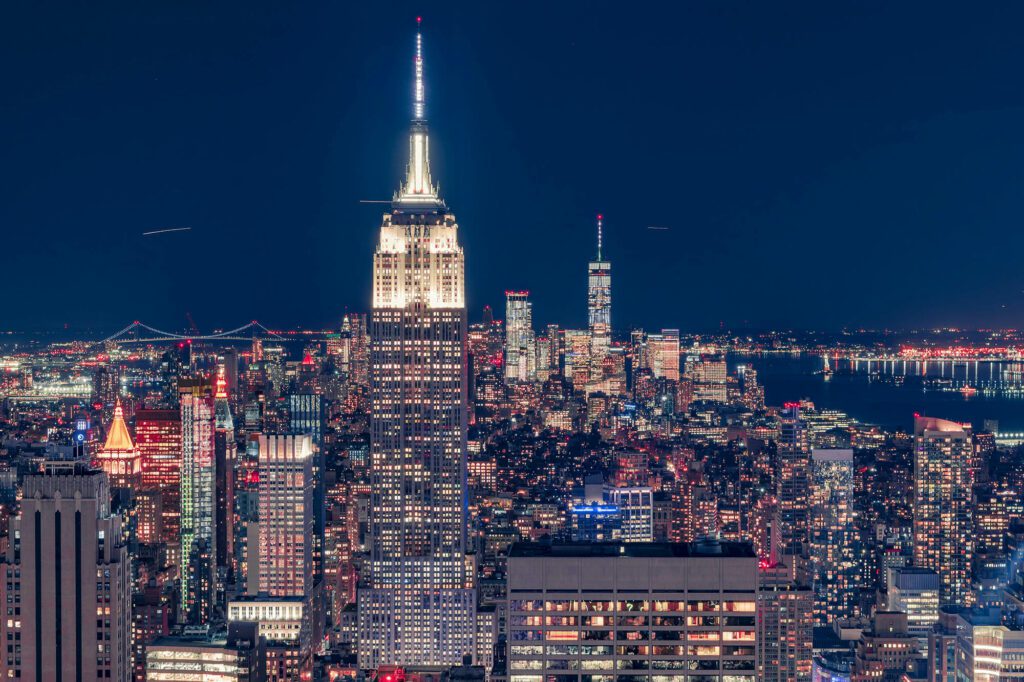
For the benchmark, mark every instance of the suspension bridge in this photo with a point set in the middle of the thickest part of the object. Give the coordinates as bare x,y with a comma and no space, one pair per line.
140,332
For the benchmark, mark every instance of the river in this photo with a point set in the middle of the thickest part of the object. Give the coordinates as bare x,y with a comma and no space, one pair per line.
882,400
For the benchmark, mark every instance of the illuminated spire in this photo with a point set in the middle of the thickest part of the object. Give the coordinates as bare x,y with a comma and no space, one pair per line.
599,228
418,95
222,384
418,188
221,410
118,439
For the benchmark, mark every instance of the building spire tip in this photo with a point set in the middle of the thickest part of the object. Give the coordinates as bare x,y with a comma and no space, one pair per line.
418,94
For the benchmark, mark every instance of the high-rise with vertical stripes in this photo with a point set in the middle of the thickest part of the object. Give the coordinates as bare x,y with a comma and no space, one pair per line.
416,603
67,581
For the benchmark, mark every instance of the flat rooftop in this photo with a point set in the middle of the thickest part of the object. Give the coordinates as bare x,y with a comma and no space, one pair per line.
650,550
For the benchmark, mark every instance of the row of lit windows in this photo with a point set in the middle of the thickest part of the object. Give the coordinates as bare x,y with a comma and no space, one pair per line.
631,605
628,621
633,636
629,650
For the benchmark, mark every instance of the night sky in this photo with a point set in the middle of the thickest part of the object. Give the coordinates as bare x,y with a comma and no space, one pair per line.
818,164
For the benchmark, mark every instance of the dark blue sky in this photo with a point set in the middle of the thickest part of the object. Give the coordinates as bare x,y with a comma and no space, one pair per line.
819,164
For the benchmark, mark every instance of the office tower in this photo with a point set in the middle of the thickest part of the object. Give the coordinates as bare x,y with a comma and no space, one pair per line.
198,499
284,625
792,482
554,340
989,652
639,352
158,439
106,389
236,656
286,515
543,360
68,575
149,516
596,522
306,415
119,458
785,625
834,548
710,379
943,523
340,347
359,345
520,350
663,350
972,644
618,610
225,452
885,649
577,357
915,592
283,596
599,301
636,509
417,605
991,519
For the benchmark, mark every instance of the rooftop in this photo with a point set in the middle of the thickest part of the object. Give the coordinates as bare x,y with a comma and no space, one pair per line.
709,549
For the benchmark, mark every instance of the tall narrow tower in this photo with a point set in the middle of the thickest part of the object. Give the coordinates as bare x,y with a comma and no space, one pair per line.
520,344
224,455
599,300
198,490
943,520
416,604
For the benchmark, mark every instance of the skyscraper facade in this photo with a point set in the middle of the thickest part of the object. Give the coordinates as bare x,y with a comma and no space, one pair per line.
158,439
68,574
792,482
416,604
520,349
198,486
834,545
225,452
784,626
286,515
599,300
943,523
623,612
306,416
664,353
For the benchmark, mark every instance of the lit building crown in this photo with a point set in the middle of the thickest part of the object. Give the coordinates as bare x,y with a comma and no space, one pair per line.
118,439
418,258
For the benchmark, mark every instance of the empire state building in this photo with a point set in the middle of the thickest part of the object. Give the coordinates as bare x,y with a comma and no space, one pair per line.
417,602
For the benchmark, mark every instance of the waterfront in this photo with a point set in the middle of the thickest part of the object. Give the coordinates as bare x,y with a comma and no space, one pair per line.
880,398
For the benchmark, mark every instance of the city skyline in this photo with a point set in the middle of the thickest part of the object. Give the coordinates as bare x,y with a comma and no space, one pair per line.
410,493
265,141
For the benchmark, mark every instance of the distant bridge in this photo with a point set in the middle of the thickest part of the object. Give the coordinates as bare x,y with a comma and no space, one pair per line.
132,334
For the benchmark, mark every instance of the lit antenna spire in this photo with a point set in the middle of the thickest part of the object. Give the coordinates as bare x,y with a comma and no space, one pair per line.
599,228
418,190
419,99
